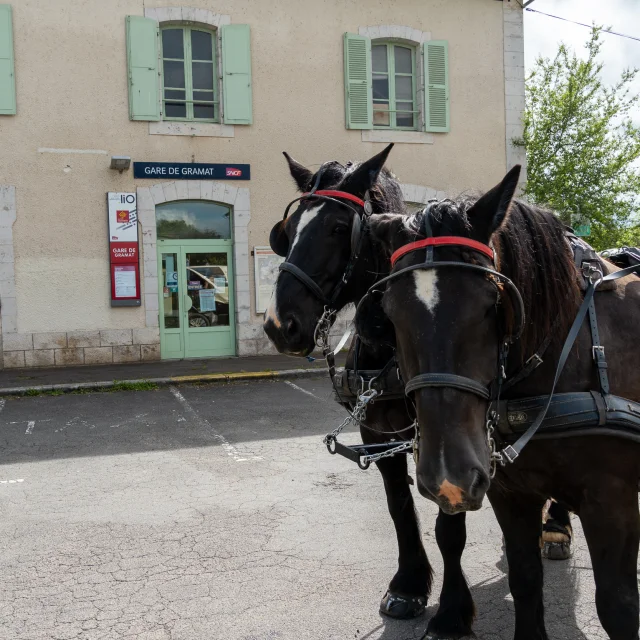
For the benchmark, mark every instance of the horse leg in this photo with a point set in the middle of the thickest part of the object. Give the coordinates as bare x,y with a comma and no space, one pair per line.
519,518
411,586
557,533
611,523
456,611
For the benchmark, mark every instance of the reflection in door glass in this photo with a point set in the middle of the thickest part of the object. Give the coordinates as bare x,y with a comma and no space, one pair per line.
170,308
193,220
208,288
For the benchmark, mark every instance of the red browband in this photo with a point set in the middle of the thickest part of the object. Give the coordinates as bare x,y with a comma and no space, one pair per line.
442,240
337,194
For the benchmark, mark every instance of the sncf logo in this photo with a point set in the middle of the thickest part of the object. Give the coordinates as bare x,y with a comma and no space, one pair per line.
233,172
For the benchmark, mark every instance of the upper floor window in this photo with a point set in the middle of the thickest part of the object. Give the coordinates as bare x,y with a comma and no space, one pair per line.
174,72
397,83
394,86
189,74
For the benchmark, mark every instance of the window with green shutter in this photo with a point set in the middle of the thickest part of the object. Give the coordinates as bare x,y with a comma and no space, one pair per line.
189,74
394,86
436,85
7,73
357,81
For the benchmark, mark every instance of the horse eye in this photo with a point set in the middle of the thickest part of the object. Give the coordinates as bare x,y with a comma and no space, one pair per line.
339,229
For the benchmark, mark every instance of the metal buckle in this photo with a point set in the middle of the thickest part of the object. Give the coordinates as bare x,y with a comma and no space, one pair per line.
597,349
592,272
510,453
536,357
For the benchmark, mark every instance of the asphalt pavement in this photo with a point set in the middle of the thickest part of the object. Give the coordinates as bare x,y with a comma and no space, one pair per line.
215,513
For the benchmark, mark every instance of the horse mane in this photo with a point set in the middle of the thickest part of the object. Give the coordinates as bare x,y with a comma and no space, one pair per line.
386,194
532,251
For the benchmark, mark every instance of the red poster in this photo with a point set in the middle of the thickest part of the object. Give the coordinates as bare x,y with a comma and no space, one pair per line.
126,252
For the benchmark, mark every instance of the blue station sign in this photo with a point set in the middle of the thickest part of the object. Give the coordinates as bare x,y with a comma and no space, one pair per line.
191,171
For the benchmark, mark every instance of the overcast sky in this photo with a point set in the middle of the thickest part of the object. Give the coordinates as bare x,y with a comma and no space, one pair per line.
542,34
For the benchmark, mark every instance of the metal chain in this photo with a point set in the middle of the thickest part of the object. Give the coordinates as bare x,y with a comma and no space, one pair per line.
357,416
374,457
495,457
321,334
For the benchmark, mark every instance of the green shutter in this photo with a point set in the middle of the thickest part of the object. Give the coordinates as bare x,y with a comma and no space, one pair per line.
236,74
436,85
357,82
142,59
7,71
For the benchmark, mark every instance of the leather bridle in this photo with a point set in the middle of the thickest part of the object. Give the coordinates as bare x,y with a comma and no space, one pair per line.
461,383
361,214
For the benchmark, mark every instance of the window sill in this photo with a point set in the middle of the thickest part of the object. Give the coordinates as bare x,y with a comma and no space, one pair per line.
409,137
194,129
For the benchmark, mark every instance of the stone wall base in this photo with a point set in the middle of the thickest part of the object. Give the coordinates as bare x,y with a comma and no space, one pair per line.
113,346
66,349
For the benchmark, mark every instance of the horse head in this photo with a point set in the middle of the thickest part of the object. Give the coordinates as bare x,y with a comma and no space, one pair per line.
448,326
326,246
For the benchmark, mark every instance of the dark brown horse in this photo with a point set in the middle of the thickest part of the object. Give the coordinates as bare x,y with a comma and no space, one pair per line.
451,321
318,238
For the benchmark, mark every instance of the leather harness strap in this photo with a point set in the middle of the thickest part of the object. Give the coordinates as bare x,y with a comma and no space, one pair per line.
448,380
511,452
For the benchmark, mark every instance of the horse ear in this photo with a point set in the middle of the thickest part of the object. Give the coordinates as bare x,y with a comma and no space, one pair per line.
490,210
388,231
278,239
301,175
365,176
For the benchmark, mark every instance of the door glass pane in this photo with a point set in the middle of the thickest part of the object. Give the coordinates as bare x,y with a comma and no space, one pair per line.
201,48
402,59
404,119
208,289
173,74
170,308
380,87
172,45
381,116
379,57
193,220
204,111
202,75
404,89
175,110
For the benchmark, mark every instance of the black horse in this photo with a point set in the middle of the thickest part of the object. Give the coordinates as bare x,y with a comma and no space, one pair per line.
320,238
450,333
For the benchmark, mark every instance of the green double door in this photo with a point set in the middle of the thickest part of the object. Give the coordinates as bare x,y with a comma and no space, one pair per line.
197,318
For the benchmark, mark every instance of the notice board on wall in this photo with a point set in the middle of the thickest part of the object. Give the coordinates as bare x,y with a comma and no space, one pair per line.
124,258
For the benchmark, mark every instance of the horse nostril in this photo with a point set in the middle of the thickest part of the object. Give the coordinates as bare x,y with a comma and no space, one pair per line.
479,483
291,326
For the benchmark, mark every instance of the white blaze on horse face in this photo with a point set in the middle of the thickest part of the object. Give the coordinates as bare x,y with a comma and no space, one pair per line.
305,219
426,281
272,311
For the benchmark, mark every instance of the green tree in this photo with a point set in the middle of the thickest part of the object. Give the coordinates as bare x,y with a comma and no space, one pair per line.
582,145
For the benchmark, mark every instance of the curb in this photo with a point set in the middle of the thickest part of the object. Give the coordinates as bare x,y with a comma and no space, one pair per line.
216,378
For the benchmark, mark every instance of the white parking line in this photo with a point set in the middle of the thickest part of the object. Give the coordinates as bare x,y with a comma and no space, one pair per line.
30,425
2,403
232,452
297,388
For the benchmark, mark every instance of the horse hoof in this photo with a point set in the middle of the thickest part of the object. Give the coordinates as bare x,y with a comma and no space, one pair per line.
556,550
556,541
395,605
